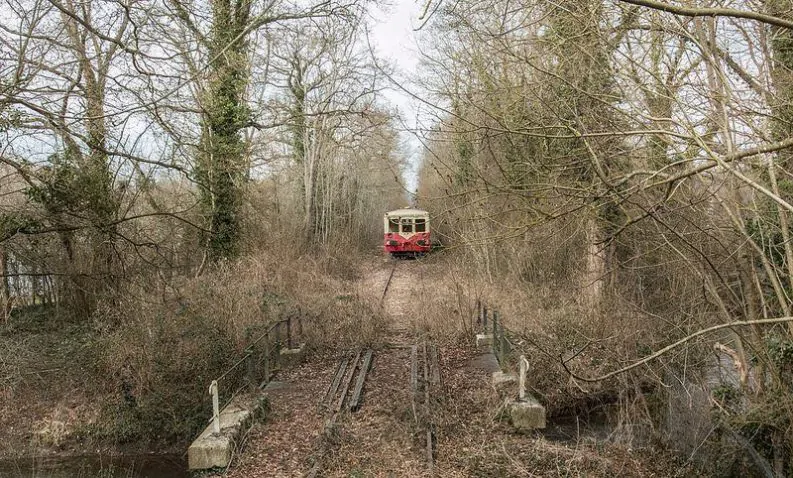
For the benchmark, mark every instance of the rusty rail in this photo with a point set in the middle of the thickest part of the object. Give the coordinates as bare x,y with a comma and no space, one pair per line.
387,284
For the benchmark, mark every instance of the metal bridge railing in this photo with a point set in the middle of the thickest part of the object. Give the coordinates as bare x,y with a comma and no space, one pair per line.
261,359
488,321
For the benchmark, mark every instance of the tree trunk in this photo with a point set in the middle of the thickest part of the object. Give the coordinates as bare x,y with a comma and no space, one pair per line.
221,162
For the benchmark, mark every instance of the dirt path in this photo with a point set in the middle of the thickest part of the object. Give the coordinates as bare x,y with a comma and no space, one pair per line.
385,437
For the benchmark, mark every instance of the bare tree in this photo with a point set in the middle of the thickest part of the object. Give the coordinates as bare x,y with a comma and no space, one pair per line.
64,54
330,111
659,133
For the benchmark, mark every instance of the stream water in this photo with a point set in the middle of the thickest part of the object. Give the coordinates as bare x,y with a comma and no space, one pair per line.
96,466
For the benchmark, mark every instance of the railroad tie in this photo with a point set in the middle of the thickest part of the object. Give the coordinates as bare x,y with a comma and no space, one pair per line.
348,381
355,400
334,385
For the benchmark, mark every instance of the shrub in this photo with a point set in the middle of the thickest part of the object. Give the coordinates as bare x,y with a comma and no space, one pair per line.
159,366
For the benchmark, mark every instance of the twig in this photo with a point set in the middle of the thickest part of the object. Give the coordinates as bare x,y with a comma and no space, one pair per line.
740,323
712,12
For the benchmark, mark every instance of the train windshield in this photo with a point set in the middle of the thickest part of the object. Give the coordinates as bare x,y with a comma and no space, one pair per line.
421,225
393,225
407,224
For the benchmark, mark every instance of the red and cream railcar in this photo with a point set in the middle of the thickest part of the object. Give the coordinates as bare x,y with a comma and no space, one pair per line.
407,232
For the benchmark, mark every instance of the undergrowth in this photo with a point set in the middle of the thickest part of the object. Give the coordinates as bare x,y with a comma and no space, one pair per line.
160,360
139,369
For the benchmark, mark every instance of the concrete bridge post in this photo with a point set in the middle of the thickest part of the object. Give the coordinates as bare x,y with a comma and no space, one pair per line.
524,368
213,390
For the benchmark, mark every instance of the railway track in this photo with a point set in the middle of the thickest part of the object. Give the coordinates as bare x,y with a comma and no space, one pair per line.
343,395
388,283
425,386
345,371
339,397
425,382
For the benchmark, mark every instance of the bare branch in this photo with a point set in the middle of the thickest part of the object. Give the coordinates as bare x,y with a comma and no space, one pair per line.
688,338
712,12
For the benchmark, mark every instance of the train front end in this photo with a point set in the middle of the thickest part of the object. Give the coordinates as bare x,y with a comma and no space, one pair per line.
407,232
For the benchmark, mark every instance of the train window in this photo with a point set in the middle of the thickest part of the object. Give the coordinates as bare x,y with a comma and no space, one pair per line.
393,225
407,225
421,225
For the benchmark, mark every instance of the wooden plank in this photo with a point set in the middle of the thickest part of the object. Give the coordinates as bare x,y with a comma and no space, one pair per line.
353,366
355,400
334,385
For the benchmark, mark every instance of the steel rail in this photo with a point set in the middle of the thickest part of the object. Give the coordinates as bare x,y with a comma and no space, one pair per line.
387,284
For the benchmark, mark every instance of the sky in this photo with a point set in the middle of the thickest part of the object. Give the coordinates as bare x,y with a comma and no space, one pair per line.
393,36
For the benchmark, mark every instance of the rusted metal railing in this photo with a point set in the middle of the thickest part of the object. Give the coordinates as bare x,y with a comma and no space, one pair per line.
487,320
261,355
480,316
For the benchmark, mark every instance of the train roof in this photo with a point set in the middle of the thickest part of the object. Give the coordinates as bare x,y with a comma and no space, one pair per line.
406,211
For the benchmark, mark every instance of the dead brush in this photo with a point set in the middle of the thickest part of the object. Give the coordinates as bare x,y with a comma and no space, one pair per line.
440,318
345,322
440,305
14,355
158,365
549,324
203,325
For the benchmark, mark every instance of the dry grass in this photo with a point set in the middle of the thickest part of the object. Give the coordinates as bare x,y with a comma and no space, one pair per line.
48,391
15,355
126,360
203,326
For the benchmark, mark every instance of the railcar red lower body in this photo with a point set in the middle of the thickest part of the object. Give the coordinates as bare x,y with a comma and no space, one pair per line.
413,244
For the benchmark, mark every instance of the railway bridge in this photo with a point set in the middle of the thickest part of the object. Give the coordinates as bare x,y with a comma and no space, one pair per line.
409,406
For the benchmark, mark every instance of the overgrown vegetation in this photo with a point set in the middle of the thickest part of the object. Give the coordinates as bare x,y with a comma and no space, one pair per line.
614,177
167,250
600,171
